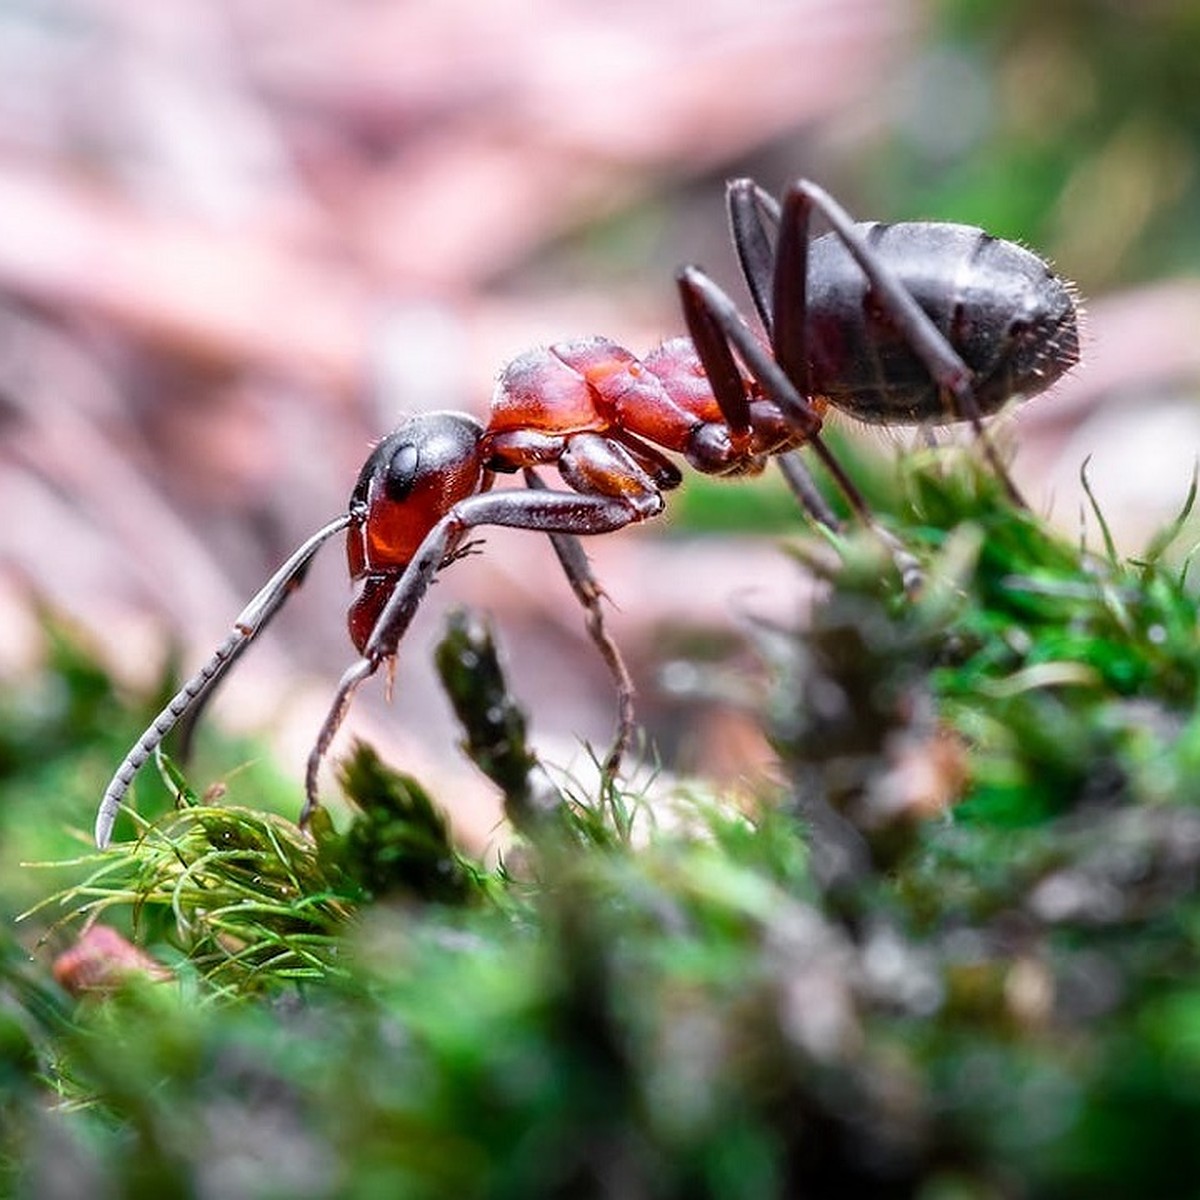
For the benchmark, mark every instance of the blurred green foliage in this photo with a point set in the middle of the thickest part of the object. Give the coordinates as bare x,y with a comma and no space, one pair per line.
953,954
1073,126
61,733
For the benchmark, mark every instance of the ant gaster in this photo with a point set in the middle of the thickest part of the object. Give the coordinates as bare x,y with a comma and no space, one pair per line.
894,324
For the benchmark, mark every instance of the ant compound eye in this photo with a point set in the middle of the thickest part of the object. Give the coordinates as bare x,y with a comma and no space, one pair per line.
401,472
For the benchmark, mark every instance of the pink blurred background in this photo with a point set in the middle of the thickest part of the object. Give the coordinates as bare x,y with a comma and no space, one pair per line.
239,238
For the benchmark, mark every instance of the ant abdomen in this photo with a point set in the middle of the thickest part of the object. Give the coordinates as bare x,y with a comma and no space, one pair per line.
1001,307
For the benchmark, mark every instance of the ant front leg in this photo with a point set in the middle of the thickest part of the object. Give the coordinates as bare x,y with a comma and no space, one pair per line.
542,511
944,364
196,692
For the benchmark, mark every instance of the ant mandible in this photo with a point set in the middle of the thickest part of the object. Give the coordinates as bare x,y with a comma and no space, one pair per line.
913,323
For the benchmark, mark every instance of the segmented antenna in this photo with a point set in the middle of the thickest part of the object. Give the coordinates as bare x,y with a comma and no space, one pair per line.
250,622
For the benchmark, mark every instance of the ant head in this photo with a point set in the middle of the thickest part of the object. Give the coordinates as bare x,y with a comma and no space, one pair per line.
410,481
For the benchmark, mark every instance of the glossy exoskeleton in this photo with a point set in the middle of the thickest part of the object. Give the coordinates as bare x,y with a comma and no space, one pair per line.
893,324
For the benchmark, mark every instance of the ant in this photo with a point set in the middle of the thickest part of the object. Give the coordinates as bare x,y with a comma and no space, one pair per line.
913,323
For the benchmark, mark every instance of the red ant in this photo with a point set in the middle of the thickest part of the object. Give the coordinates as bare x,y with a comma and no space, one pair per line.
893,324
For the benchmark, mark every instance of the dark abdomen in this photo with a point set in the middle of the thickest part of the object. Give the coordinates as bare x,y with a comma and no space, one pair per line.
1002,308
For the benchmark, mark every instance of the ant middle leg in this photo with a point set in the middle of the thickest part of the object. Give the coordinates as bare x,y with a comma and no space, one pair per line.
717,330
751,210
802,485
588,591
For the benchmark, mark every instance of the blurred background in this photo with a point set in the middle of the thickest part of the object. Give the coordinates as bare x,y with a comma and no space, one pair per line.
239,239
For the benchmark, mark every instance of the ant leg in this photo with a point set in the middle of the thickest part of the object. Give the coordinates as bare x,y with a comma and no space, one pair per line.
714,324
197,690
717,329
799,479
751,211
747,205
543,511
722,315
944,364
351,680
589,593
712,342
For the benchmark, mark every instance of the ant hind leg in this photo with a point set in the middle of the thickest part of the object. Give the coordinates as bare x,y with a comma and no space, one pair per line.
717,330
944,364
